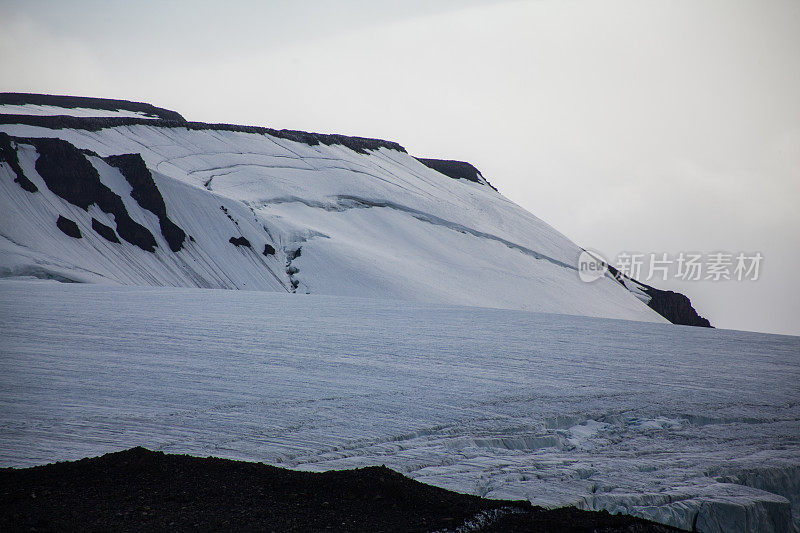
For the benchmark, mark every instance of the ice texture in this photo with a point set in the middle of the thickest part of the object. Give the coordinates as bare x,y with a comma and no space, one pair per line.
693,427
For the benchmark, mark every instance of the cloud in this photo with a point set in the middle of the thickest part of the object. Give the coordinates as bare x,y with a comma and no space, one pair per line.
33,59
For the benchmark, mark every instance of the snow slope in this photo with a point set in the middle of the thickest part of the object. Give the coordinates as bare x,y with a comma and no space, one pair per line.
341,219
30,104
688,426
51,110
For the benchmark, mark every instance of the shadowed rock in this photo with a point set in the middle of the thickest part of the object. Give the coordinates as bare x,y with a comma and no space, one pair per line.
147,195
239,241
358,144
674,306
8,154
456,170
71,102
68,174
69,227
104,231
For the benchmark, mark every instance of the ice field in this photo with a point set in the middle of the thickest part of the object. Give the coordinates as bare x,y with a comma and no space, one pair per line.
688,426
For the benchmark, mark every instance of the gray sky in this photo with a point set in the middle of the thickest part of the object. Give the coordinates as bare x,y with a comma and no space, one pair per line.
628,125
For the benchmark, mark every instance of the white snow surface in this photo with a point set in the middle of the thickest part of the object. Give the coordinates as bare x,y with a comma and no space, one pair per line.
689,426
376,225
51,110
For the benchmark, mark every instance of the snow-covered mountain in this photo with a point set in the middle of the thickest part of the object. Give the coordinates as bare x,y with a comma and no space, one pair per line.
116,192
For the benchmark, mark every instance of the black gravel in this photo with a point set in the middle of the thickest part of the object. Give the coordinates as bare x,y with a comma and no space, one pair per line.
141,490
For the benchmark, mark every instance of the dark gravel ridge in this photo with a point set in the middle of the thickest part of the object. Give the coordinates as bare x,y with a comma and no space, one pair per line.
141,490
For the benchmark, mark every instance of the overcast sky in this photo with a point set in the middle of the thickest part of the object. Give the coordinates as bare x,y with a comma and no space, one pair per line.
628,125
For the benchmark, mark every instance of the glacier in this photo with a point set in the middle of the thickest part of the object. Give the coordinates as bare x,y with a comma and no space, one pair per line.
693,427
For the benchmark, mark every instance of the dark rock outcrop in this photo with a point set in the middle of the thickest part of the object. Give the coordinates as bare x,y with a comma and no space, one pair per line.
228,214
239,241
69,227
71,102
674,306
104,231
269,249
291,269
147,195
68,174
358,144
8,154
459,170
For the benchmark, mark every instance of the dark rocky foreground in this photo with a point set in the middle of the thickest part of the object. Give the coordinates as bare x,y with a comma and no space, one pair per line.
140,490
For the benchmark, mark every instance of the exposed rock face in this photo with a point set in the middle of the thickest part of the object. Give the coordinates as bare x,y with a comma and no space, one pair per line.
9,155
69,227
68,173
269,250
360,145
456,170
104,231
147,195
292,270
674,306
239,241
72,102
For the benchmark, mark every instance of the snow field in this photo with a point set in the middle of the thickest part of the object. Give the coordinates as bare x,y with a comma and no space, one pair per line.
686,426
